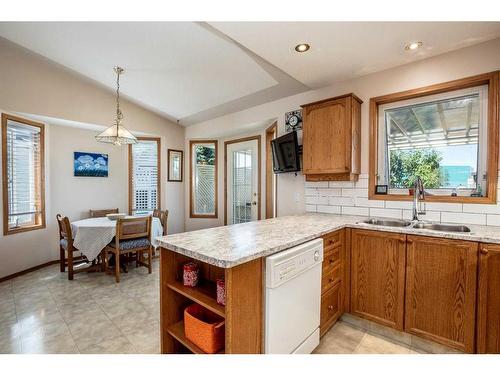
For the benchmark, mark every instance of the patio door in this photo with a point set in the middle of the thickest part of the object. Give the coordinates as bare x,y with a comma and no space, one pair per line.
242,190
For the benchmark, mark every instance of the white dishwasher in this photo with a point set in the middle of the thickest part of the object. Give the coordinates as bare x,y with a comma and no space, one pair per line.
293,299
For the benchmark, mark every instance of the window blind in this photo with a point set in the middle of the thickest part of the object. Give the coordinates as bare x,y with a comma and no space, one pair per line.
24,158
145,190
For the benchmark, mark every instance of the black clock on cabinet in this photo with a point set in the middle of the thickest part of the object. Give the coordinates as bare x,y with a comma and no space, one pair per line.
293,120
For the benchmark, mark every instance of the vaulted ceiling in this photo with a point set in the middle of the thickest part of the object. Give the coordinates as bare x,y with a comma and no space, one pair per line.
194,71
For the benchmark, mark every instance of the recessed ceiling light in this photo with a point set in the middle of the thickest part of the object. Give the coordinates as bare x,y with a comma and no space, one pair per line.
413,46
302,47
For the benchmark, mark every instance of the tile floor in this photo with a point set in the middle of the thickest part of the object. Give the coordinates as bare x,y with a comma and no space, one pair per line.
43,312
344,338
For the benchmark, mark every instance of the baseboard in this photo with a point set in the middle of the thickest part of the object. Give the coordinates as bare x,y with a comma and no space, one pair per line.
28,270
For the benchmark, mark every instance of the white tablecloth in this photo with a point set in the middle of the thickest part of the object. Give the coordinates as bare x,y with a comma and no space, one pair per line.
90,236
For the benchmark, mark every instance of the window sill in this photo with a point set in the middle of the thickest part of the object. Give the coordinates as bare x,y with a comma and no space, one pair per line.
7,231
434,198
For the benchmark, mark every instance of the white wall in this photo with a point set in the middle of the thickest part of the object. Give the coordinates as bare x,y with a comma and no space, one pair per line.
453,65
32,85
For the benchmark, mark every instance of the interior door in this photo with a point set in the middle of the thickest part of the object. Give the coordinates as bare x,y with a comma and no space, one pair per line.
242,181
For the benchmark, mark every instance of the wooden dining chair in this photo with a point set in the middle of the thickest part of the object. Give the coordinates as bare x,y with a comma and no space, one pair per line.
103,213
163,216
67,251
132,237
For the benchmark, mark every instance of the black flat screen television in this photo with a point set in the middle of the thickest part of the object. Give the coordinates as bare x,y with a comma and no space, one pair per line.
286,153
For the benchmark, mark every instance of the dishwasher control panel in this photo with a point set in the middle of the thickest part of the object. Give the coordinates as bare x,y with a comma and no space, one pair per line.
292,262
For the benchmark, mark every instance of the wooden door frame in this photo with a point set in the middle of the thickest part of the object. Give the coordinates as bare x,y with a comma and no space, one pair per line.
271,181
259,171
130,171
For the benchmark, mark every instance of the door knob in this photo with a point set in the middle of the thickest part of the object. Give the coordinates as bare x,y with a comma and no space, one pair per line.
254,203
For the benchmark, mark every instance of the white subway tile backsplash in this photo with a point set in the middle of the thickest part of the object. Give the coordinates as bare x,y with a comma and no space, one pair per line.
310,192
493,220
316,200
365,202
329,192
316,184
341,201
408,205
362,183
340,184
310,208
355,192
386,212
463,218
482,208
328,209
434,216
360,211
351,198
448,207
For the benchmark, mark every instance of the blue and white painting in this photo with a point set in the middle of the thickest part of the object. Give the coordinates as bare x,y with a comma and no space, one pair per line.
87,164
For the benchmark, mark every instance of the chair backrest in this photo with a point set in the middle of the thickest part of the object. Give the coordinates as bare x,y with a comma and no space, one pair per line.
135,227
64,228
163,216
102,213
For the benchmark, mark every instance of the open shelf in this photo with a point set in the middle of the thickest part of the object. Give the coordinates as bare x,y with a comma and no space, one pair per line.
176,330
203,294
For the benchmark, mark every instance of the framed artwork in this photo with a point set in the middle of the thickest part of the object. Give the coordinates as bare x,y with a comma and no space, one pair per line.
87,164
175,163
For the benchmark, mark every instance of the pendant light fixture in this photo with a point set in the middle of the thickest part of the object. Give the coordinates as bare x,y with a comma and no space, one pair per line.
117,134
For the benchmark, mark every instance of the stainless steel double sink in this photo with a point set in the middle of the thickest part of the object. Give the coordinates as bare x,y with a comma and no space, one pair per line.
418,225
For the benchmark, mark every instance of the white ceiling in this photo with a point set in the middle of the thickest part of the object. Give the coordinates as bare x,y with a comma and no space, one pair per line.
194,71
344,50
175,68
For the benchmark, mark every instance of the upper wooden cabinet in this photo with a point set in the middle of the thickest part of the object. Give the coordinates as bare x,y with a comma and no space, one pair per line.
441,290
331,139
378,261
488,300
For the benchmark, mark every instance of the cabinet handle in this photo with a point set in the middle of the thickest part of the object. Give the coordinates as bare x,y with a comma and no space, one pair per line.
484,250
402,240
331,260
331,280
331,242
330,307
409,241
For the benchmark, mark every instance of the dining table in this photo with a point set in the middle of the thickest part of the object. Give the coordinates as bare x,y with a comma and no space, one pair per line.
92,235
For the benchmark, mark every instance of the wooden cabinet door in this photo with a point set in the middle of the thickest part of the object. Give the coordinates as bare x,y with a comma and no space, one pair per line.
378,262
488,301
327,137
441,290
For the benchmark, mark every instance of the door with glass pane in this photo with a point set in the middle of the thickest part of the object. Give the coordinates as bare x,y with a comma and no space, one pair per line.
242,181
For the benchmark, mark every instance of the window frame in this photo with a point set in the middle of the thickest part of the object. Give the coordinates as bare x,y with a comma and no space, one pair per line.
192,214
130,172
41,186
489,79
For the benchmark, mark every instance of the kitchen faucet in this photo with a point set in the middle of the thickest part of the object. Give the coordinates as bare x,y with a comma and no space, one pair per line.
418,195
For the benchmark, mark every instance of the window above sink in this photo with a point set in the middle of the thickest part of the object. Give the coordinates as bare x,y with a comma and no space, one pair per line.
447,134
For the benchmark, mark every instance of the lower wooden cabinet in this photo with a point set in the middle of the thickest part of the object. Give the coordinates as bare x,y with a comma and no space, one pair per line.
378,262
332,279
441,290
331,307
488,300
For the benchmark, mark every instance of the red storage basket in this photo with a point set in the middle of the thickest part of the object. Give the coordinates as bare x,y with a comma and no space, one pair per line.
204,328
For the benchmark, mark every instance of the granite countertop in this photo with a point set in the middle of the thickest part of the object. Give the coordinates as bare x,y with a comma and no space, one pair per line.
229,246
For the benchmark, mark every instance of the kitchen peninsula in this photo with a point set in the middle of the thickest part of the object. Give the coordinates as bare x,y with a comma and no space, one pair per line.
237,253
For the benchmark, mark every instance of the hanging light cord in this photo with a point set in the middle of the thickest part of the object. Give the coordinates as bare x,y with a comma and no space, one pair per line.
119,115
